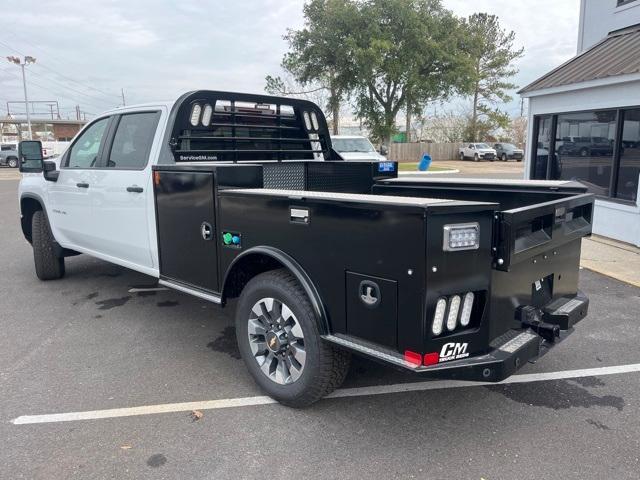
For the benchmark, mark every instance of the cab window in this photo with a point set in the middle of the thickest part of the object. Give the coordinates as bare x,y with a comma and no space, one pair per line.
85,150
132,141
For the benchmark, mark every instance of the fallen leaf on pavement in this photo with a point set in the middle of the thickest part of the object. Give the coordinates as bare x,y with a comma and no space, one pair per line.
125,447
196,415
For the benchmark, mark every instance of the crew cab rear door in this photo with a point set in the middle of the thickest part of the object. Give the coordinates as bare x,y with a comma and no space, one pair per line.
122,194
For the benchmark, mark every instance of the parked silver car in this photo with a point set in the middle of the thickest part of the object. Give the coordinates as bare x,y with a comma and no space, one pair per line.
9,155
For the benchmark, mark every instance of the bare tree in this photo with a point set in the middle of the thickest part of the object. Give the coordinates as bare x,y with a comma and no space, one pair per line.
518,130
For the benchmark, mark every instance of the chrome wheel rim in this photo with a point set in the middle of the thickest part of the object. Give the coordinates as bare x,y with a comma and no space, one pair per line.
276,341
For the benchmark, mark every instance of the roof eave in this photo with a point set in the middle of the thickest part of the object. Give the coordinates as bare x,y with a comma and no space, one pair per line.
599,82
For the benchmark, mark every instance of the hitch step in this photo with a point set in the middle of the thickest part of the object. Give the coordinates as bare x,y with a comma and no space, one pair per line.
566,311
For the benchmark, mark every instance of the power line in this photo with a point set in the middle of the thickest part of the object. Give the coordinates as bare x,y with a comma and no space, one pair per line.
110,95
54,57
49,89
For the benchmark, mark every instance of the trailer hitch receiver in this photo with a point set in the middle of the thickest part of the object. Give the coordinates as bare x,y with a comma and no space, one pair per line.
531,317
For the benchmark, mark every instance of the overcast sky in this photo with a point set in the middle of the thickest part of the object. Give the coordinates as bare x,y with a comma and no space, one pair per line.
156,49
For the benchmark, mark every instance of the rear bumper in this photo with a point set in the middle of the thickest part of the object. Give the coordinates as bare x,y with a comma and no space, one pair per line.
504,356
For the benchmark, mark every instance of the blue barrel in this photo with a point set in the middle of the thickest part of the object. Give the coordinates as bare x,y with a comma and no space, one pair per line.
425,163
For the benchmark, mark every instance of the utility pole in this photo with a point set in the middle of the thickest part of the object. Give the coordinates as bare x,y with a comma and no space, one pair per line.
27,60
124,104
51,105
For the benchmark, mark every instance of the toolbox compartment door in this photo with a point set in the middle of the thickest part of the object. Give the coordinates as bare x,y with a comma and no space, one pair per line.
524,232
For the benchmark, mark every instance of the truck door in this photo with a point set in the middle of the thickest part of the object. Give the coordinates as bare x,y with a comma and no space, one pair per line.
122,196
69,203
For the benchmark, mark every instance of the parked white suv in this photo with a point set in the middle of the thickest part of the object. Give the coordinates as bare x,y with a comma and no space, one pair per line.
477,152
354,147
9,155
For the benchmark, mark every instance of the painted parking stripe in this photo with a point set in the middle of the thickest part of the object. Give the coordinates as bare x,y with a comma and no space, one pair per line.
342,393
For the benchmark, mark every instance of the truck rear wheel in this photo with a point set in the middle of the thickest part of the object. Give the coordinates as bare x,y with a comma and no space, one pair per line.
279,340
12,162
48,266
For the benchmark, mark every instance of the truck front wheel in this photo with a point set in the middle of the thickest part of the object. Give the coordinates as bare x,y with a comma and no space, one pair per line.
48,265
279,340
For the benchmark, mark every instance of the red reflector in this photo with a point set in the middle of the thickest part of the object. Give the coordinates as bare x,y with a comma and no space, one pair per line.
413,358
431,358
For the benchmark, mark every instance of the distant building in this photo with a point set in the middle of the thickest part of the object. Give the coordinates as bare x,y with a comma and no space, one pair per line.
584,117
13,130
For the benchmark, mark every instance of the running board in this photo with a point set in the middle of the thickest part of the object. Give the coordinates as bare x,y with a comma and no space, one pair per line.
371,350
210,297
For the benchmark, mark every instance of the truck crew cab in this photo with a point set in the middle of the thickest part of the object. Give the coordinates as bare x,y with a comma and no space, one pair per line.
223,195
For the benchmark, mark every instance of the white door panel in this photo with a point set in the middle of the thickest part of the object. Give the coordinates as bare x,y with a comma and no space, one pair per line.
120,216
122,199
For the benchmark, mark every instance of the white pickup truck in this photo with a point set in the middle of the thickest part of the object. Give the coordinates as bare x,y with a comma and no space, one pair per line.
225,195
477,152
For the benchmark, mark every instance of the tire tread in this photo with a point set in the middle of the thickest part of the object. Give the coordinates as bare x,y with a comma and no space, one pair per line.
48,265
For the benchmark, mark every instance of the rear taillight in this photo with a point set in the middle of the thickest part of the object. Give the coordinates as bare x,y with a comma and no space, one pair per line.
448,308
467,307
454,309
438,317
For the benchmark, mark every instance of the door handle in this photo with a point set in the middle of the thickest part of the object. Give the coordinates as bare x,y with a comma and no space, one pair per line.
206,230
82,185
135,189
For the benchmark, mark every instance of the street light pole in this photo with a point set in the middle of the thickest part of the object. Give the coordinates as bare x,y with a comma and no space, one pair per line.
22,64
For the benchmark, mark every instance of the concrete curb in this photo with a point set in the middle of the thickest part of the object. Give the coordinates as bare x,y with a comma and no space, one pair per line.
611,258
401,172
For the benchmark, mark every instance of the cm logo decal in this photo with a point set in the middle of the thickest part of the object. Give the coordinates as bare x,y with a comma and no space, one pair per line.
453,351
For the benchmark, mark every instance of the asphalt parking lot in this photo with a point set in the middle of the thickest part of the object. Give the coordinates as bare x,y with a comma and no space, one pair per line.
86,343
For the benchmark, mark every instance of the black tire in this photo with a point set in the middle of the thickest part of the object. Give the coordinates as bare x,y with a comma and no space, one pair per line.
504,157
12,162
48,266
584,152
476,158
325,366
461,156
519,159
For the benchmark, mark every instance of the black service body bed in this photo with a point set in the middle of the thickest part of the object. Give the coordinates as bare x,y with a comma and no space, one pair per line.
370,249
392,238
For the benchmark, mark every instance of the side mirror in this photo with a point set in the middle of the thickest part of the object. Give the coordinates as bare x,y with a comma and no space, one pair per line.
50,172
30,155
384,150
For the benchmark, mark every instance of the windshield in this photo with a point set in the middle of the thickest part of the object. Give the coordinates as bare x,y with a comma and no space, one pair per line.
509,145
482,145
347,145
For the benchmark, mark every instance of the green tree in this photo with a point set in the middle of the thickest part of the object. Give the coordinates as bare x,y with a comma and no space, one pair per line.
404,53
491,51
318,55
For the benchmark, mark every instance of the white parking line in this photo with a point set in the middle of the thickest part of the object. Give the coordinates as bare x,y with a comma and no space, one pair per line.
342,393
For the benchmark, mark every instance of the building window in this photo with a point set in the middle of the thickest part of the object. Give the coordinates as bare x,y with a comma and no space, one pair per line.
600,149
629,156
543,145
584,149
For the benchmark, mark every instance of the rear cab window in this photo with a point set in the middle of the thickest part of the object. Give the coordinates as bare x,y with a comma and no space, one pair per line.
133,140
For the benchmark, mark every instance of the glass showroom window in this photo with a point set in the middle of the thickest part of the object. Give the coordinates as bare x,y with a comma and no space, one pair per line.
629,156
584,149
543,144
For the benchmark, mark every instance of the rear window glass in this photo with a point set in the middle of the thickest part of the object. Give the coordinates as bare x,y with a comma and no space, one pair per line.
133,139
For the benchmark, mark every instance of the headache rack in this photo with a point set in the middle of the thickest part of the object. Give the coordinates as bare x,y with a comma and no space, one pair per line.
233,127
